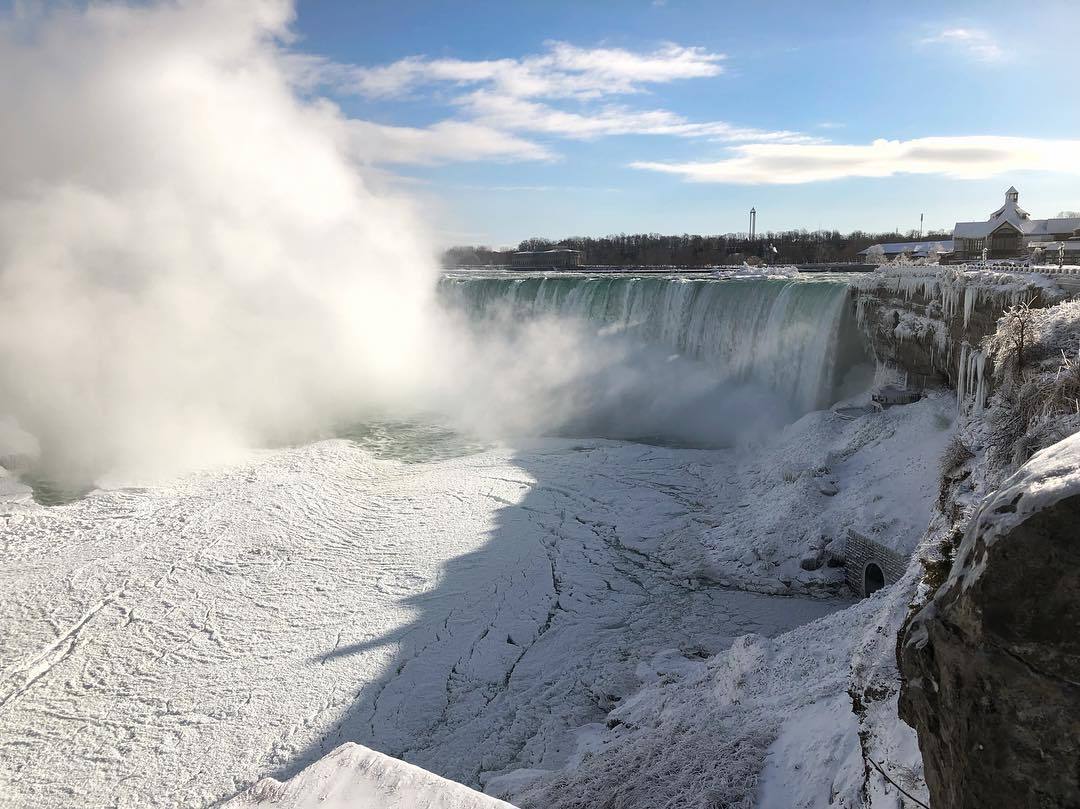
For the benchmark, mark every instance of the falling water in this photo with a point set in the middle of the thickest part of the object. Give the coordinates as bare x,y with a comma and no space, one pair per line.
797,338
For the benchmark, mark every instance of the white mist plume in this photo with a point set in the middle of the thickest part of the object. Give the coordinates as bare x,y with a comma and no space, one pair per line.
550,374
189,258
191,262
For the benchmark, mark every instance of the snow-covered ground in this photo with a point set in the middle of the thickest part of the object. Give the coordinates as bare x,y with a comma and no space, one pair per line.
787,506
492,618
776,723
171,646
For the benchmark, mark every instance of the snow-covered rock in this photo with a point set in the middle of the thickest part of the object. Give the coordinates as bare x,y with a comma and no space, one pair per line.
992,663
354,777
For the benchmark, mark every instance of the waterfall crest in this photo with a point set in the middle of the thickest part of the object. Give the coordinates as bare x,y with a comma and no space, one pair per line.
796,338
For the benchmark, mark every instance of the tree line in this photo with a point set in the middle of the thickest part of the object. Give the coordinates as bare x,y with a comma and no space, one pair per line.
643,249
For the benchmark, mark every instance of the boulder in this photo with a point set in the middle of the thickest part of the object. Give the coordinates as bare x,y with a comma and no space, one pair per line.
991,666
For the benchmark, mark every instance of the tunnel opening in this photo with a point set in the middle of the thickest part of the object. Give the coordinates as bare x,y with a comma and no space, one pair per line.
873,579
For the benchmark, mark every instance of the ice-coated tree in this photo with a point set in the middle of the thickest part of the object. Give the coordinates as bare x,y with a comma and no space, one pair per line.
876,255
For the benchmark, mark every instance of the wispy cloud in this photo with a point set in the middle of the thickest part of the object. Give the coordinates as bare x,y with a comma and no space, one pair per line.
520,115
532,189
565,92
975,42
562,71
446,141
971,157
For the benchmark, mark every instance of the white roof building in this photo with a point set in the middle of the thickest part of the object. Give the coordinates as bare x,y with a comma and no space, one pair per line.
916,249
1009,231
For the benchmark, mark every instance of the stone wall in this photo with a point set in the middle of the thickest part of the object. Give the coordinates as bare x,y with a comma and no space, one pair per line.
860,551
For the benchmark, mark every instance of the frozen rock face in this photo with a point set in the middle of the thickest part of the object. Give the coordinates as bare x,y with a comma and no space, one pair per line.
991,666
917,319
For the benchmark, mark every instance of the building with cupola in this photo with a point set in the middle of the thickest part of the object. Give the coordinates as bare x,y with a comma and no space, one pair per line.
1010,232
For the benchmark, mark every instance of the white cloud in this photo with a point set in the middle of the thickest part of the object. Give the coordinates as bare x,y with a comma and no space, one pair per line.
976,42
562,189
507,112
446,141
669,63
971,157
563,71
522,95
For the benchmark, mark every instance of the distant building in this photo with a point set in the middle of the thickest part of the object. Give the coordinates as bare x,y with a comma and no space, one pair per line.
545,259
925,249
1066,251
1010,232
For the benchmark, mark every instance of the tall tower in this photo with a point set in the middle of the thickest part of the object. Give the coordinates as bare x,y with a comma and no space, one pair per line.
753,223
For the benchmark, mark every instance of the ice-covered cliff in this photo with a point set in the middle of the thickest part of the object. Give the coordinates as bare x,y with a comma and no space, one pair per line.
928,323
992,663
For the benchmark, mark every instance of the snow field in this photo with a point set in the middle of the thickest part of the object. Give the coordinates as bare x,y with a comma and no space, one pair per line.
553,622
174,645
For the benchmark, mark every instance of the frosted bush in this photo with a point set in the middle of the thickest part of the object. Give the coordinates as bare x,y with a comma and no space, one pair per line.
1036,363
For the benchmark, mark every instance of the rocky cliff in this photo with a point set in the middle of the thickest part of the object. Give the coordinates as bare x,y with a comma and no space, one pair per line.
927,323
991,665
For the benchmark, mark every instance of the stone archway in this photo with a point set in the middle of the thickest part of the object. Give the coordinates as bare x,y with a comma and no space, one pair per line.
873,578
869,565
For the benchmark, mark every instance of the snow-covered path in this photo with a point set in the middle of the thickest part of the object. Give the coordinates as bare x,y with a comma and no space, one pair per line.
171,646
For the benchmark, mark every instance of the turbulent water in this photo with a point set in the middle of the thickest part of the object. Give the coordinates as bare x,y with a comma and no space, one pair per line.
795,337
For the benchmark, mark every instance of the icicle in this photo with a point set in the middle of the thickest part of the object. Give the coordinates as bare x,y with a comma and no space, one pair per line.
971,295
961,377
980,392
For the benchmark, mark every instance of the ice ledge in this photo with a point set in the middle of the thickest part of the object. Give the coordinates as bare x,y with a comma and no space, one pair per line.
355,777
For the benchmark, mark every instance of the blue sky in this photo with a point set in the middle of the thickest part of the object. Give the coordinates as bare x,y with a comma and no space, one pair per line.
547,118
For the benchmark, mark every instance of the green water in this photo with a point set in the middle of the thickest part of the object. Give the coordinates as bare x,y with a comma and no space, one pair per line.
411,441
49,492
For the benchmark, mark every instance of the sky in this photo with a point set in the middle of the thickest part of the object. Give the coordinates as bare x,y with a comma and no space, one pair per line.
516,119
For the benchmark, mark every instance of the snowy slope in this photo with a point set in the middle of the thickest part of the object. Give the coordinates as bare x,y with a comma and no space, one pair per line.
767,723
354,777
787,502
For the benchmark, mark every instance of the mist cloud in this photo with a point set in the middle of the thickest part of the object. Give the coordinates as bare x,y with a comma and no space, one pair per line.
189,257
193,261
